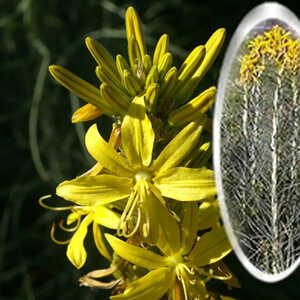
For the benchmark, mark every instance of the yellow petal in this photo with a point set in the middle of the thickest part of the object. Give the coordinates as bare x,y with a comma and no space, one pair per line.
99,242
189,226
180,146
78,86
93,190
136,255
211,247
168,235
76,252
208,215
106,217
105,153
137,134
134,29
186,184
86,113
150,287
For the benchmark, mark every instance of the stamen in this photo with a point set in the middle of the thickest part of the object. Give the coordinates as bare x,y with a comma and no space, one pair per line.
41,202
70,229
184,288
128,212
52,231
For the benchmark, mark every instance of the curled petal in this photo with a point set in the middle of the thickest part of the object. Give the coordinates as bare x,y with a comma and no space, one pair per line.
76,252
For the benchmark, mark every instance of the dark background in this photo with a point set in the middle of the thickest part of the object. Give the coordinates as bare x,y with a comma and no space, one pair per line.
40,147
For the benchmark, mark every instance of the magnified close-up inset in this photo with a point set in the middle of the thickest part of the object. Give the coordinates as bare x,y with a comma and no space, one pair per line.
259,141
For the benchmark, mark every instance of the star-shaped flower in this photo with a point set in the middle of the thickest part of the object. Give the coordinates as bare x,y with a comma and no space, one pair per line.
135,176
83,216
182,265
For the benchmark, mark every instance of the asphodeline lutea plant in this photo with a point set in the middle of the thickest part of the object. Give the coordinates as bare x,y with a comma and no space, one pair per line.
152,185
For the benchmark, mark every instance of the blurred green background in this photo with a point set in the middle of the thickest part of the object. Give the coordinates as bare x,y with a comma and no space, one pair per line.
40,147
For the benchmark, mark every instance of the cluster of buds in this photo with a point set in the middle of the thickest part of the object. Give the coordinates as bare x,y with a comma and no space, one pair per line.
152,184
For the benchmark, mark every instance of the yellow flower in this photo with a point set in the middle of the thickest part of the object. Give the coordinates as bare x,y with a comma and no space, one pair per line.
276,46
153,77
182,265
138,177
83,216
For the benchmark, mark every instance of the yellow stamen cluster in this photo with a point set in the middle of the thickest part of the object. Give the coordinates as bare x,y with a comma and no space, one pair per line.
276,46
